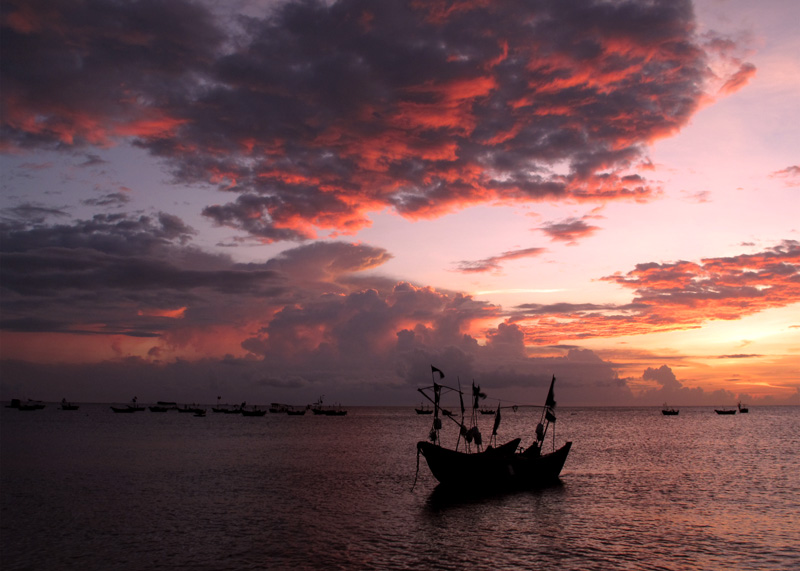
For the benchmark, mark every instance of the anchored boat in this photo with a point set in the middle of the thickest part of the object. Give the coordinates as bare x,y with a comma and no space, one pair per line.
496,467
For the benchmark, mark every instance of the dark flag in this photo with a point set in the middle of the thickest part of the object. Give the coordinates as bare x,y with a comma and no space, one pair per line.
496,420
435,370
477,395
551,403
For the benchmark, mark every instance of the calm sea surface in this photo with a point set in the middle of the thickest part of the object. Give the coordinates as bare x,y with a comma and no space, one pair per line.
91,489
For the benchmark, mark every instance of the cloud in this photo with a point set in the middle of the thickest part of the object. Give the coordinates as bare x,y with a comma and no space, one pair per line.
790,174
663,376
569,230
115,290
29,213
312,116
668,388
118,291
739,79
493,263
110,199
674,296
92,160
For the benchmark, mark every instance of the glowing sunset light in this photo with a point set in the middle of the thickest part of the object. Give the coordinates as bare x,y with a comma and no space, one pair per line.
292,198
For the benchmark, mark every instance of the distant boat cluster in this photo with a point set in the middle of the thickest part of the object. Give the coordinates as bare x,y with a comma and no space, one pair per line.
667,411
197,410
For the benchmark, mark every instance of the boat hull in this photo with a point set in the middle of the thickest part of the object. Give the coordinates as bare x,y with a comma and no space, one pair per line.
494,468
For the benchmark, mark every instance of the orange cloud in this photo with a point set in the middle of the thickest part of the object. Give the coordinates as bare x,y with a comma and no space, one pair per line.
675,296
171,313
739,79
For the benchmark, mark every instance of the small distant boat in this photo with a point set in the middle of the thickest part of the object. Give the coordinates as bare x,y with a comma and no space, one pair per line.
227,409
125,409
31,405
158,408
200,412
219,407
68,405
191,409
296,411
423,409
318,409
725,411
669,411
278,408
132,407
335,412
742,409
255,411
487,411
494,468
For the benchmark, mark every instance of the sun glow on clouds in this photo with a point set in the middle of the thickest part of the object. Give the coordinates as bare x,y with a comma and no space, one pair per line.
324,120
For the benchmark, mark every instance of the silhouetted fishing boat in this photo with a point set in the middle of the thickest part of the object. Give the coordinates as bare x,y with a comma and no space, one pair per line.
68,405
423,409
296,411
725,411
496,467
669,411
742,409
487,411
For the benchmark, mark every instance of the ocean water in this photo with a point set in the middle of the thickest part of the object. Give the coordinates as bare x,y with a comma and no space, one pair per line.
90,489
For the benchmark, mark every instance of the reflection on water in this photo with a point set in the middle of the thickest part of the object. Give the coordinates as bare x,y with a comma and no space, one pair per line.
93,490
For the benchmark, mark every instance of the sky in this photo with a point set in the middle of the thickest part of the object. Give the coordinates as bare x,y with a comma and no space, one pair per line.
272,201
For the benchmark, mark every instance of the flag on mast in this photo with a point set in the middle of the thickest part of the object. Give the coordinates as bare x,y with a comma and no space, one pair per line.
496,420
435,370
550,403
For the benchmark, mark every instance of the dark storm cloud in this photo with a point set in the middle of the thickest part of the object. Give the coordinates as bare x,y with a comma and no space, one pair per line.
112,270
313,115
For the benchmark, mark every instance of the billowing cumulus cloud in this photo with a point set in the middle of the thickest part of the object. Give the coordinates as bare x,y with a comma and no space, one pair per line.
132,293
311,116
123,293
